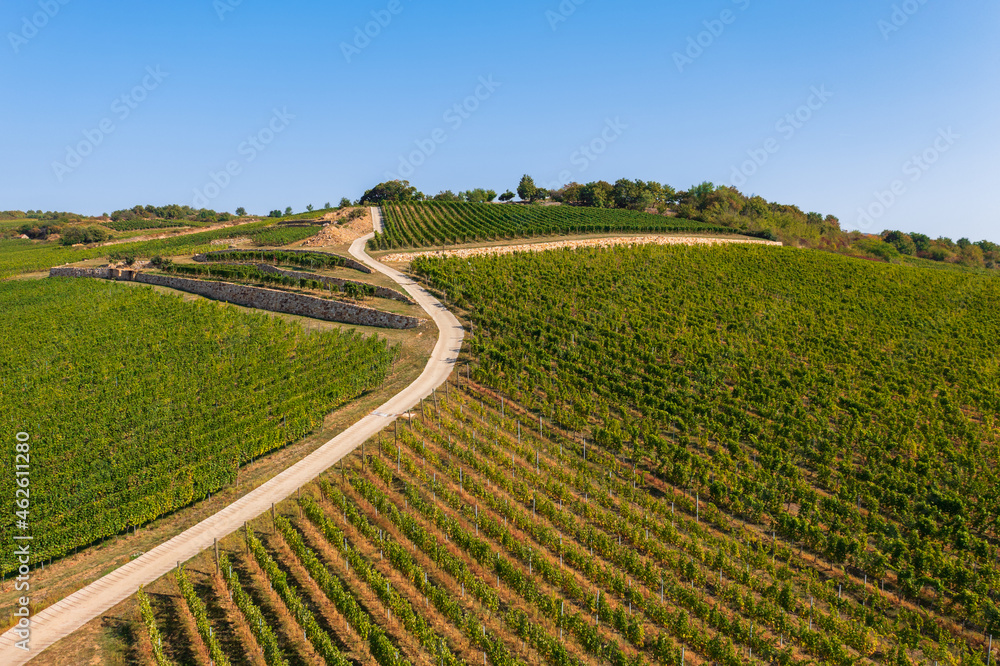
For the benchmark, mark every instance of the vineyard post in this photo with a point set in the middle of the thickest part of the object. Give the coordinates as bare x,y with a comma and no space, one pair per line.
274,519
682,655
989,652
562,613
218,569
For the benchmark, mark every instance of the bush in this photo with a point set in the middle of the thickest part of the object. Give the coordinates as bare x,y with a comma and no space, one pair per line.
84,235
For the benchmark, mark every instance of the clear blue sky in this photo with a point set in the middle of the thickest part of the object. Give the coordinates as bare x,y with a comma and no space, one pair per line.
607,77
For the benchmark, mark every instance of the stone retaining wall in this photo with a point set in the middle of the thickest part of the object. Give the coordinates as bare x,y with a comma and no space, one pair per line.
271,300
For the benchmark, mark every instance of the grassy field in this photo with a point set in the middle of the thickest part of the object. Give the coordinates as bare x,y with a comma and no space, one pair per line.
430,224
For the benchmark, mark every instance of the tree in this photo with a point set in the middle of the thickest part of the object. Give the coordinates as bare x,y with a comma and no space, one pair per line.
526,188
902,242
288,210
447,195
326,206
921,241
309,208
345,202
569,194
274,213
663,194
75,235
597,195
392,190
478,195
632,195
241,211
698,195
507,196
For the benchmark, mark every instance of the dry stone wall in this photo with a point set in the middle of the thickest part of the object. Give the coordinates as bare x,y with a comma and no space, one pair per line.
271,300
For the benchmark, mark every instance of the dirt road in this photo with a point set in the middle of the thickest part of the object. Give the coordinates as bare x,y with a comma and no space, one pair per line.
68,615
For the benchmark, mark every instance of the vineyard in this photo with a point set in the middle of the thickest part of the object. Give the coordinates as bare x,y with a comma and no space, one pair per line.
311,260
141,224
477,532
427,224
138,404
843,408
24,256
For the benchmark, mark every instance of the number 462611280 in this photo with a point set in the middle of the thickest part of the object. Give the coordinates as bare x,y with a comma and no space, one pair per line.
23,472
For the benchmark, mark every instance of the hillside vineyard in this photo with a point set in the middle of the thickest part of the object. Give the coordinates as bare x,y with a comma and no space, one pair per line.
840,408
426,224
141,403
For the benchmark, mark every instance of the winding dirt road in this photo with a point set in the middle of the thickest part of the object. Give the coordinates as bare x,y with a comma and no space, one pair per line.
68,615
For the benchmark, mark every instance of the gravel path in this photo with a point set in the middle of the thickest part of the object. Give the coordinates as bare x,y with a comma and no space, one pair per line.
377,223
68,615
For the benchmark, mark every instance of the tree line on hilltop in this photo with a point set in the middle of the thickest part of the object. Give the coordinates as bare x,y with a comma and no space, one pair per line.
720,205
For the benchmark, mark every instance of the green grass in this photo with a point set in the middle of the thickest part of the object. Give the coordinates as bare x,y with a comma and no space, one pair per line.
138,404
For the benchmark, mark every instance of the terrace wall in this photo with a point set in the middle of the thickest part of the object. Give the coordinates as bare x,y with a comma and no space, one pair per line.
271,300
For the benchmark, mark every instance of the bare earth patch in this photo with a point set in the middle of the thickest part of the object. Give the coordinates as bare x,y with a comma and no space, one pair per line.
337,234
573,244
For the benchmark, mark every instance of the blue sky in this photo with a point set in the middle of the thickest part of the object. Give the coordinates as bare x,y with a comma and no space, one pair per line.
823,105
